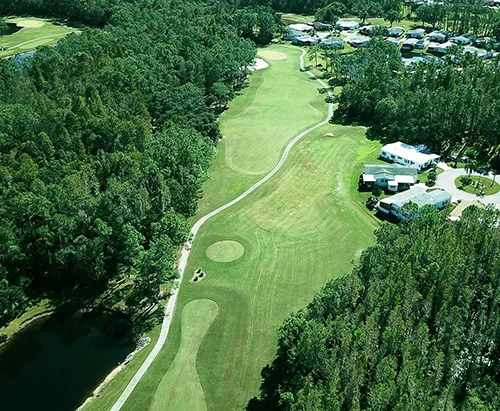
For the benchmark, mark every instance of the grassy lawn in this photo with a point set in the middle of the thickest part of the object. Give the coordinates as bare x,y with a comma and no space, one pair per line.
489,187
423,177
298,230
35,32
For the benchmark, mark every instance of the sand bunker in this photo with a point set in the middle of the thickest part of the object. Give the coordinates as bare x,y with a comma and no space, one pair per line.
259,65
30,23
225,251
272,55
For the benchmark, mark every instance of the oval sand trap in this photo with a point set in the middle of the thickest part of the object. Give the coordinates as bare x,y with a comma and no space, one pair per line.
225,251
30,23
272,55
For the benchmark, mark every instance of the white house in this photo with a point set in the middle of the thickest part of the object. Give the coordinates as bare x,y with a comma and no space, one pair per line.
392,177
416,157
417,195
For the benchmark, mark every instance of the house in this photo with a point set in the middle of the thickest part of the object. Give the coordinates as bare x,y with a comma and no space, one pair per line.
417,195
409,44
415,157
395,31
393,41
319,26
358,41
460,40
333,43
482,54
437,48
366,30
347,25
305,40
440,49
416,34
297,30
437,37
392,177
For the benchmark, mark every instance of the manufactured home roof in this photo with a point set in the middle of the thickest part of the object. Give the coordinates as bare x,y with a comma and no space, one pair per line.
419,196
383,170
408,152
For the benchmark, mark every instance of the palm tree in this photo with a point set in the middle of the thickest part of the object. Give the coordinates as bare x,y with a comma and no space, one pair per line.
471,167
313,52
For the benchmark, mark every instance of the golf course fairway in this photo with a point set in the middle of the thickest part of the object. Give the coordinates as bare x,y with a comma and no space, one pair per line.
298,230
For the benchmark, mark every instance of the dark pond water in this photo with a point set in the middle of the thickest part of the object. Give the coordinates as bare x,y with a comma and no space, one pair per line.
54,364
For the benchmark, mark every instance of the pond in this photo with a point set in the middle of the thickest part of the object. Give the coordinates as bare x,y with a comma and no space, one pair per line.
55,363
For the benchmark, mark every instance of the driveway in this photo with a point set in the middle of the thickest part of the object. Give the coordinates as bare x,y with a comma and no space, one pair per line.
446,181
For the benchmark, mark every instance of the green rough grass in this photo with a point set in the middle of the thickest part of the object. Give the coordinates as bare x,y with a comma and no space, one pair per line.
300,229
180,388
29,38
490,187
225,251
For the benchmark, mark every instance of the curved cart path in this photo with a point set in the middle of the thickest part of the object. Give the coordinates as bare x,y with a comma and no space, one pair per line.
169,310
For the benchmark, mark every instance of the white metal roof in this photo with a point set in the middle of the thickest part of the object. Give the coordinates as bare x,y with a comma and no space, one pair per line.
300,27
408,152
369,178
404,179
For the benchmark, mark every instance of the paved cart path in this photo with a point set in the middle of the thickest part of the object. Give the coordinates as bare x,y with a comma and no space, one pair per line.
169,310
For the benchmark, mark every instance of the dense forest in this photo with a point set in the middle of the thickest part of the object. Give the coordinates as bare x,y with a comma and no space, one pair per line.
105,140
415,327
450,107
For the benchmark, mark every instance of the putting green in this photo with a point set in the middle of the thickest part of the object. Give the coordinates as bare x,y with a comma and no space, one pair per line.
272,55
180,388
225,251
30,23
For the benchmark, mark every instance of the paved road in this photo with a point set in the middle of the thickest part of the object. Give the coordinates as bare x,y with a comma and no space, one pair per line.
446,181
169,310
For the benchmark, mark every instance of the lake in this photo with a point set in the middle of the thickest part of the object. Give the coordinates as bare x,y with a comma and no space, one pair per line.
55,363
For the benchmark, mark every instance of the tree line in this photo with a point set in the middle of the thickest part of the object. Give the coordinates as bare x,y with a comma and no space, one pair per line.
105,140
415,327
448,105
461,16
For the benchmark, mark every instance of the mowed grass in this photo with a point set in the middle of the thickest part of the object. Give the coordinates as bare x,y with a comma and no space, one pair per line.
302,228
177,392
299,231
35,33
281,103
489,186
257,142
